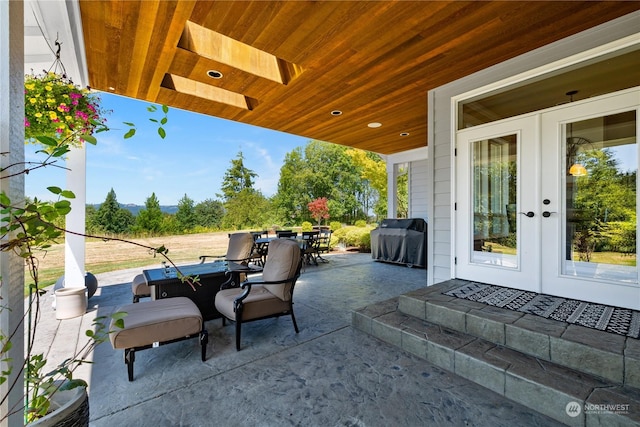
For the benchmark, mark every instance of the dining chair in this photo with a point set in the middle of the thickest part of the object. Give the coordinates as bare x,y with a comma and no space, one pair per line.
286,234
323,245
310,247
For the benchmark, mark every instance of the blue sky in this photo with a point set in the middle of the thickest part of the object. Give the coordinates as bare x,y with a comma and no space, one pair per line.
191,160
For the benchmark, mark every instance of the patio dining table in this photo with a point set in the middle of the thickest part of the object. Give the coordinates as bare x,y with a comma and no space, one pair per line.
262,245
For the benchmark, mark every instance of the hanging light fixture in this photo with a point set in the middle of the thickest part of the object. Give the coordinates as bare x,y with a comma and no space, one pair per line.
577,170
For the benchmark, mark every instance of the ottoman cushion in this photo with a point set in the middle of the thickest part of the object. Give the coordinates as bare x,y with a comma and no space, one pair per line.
154,321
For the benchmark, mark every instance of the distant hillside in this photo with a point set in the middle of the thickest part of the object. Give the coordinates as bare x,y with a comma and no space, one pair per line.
134,209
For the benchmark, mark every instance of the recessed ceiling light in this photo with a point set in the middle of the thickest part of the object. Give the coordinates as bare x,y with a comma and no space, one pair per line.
404,134
374,125
214,74
336,113
111,88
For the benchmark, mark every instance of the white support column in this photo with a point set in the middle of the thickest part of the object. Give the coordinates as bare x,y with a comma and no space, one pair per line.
12,142
74,247
392,189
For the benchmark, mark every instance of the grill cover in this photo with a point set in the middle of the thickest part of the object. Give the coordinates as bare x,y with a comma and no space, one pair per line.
401,241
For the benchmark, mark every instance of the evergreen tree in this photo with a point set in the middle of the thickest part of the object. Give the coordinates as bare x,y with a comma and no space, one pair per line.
185,216
150,218
237,178
111,218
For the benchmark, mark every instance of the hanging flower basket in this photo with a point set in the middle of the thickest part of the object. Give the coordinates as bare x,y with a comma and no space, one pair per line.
56,108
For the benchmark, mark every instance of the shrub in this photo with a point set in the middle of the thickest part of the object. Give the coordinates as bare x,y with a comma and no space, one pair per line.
335,225
361,223
307,226
359,237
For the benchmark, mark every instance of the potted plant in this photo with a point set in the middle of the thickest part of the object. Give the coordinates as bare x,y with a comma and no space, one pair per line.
58,115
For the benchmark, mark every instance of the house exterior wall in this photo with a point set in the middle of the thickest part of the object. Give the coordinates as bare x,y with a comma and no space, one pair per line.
440,150
418,189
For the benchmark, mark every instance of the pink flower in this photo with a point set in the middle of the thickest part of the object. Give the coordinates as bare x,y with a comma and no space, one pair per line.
26,123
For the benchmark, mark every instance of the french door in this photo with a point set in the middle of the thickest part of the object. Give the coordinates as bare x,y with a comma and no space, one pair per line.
589,178
496,226
547,202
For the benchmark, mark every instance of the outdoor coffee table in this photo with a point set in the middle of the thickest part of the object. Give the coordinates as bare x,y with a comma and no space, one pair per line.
164,283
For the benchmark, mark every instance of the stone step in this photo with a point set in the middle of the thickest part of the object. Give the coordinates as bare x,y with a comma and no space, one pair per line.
610,356
572,397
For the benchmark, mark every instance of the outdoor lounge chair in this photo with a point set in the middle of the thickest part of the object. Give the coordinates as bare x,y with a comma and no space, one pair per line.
271,297
239,249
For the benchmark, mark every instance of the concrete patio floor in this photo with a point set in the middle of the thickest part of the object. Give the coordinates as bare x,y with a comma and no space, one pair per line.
327,375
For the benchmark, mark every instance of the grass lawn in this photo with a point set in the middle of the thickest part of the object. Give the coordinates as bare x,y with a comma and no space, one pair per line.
103,256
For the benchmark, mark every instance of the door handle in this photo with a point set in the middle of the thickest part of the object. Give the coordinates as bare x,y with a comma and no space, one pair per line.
529,214
547,214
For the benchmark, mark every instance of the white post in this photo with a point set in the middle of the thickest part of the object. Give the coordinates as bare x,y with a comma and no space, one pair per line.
392,189
74,246
12,143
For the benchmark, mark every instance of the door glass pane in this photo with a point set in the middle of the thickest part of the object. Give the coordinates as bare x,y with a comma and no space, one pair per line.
494,201
601,161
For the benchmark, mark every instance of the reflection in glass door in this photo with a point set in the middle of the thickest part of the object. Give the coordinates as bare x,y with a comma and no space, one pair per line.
494,196
600,198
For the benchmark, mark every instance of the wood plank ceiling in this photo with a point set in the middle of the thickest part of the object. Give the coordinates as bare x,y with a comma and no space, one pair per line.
287,65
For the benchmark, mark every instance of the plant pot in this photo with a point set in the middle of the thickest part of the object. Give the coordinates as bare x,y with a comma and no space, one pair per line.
69,408
70,302
90,281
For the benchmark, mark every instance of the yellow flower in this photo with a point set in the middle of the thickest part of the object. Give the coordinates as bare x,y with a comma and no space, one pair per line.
53,115
68,118
38,115
30,86
48,87
32,100
51,100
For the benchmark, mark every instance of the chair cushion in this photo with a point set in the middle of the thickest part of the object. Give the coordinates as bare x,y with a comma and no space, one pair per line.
283,258
240,246
139,286
156,321
259,303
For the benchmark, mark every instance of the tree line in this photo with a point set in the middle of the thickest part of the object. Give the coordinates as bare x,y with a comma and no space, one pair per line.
354,183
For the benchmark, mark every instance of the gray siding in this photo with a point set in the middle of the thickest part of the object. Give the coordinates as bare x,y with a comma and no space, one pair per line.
440,248
418,205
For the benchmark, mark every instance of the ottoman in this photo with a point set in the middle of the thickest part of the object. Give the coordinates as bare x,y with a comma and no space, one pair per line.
153,323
